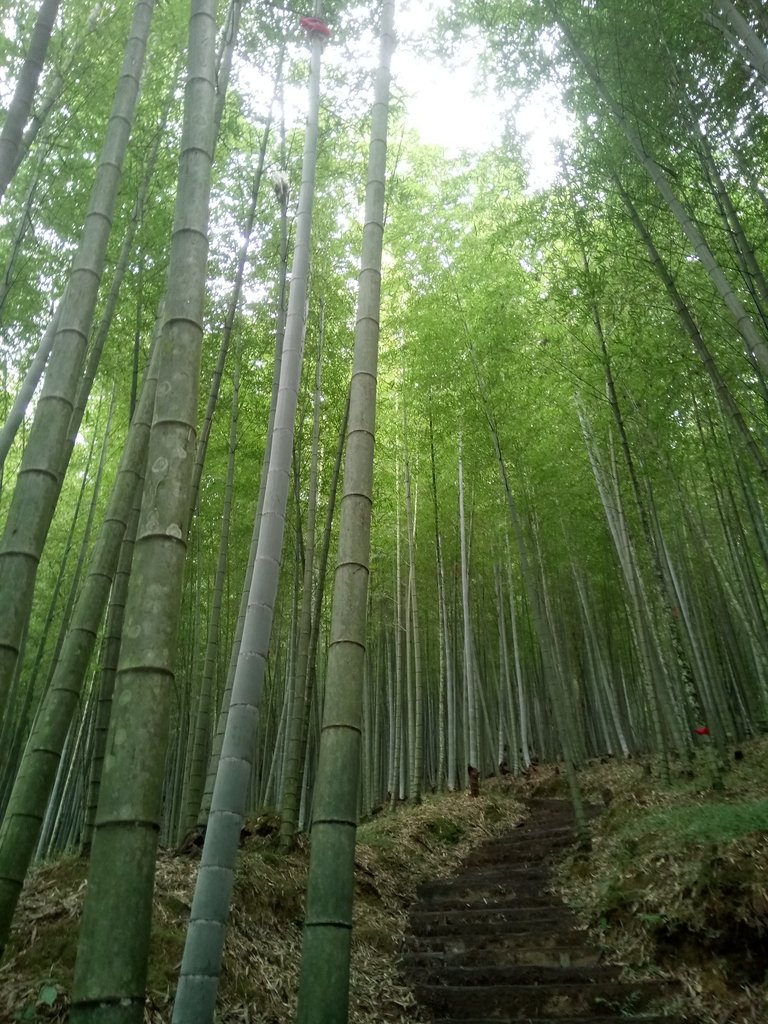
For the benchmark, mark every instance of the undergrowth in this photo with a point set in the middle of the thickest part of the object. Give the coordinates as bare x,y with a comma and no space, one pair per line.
677,881
395,852
676,884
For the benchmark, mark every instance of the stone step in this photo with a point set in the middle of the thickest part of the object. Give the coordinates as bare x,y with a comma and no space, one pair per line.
529,895
558,932
499,937
453,922
551,828
431,970
534,846
513,856
534,840
525,858
543,802
526,839
505,873
541,819
488,886
551,805
516,1002
581,1019
497,950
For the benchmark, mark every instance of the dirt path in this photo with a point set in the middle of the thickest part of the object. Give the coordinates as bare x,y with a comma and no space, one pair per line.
492,945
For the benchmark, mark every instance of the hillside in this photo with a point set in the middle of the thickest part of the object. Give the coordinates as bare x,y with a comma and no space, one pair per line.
674,885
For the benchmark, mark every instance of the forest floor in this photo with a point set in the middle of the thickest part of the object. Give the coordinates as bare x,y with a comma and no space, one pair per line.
676,884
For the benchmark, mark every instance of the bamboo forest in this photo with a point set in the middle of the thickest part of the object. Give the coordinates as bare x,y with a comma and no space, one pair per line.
383,542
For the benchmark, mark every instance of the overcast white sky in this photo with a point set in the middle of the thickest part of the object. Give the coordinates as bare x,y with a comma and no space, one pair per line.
445,110
444,105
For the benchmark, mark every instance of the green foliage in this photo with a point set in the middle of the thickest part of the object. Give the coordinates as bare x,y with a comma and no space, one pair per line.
700,823
446,830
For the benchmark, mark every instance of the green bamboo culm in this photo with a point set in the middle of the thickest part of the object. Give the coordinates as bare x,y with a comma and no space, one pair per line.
324,983
111,969
46,453
24,93
34,783
201,962
294,742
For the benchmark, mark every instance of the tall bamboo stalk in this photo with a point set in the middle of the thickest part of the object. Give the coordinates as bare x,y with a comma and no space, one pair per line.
41,473
201,962
111,968
324,982
24,94
31,792
289,810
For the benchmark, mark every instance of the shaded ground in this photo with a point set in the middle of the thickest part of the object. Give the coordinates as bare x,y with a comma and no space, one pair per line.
677,880
676,885
495,944
395,853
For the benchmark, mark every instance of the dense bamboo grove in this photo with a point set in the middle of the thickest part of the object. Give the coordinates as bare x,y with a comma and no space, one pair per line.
213,598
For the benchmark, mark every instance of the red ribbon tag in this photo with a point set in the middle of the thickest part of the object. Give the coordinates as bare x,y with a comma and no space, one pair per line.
316,25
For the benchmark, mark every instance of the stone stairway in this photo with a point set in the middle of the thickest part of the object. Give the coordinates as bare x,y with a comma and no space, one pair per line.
491,945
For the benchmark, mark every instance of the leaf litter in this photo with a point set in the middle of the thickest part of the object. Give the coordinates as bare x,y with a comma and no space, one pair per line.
396,851
675,884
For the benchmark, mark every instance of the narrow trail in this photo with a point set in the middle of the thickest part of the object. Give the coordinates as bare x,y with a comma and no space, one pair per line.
491,944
